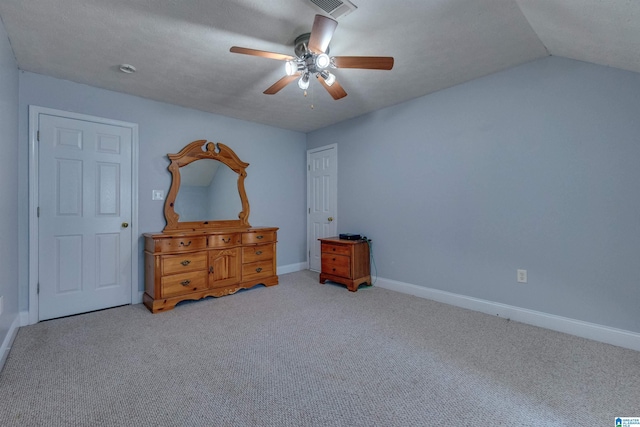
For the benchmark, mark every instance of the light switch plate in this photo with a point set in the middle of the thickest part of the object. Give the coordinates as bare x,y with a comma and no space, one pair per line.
157,195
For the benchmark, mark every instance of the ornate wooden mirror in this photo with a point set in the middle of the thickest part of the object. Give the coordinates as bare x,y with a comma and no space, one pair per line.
207,189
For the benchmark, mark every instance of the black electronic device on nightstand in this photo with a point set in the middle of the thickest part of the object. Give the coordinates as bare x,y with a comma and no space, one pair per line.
349,236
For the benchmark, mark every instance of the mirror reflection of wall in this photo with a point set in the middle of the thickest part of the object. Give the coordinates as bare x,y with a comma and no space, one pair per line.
208,192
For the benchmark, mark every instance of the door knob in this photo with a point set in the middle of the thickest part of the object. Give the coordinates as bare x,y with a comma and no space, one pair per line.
125,224
330,219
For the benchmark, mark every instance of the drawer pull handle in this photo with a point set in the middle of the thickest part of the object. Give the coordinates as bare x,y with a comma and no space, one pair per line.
333,249
185,282
258,270
259,237
188,244
211,270
333,259
185,262
227,240
258,252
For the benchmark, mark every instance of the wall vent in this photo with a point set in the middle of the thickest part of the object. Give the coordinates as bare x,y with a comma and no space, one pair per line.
335,8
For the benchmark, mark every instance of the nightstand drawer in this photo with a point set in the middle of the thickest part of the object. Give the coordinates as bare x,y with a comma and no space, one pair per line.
178,284
335,249
339,265
183,263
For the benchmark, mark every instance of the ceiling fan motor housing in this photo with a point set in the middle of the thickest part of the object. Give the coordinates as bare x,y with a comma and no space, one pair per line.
301,46
308,60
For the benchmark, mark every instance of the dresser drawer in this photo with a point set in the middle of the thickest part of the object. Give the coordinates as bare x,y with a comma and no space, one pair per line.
179,244
224,240
183,263
258,237
339,265
257,253
257,270
185,283
335,249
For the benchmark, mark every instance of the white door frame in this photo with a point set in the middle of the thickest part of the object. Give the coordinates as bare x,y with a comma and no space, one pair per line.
309,152
34,112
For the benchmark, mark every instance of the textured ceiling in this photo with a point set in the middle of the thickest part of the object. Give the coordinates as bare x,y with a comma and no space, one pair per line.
181,48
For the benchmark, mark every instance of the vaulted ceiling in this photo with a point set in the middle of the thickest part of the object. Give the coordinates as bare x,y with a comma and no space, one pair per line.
180,48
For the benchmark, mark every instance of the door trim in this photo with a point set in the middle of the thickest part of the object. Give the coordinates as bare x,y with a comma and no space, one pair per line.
309,152
34,112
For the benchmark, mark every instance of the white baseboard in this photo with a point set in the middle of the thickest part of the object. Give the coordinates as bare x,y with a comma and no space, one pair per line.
291,268
8,340
593,331
24,318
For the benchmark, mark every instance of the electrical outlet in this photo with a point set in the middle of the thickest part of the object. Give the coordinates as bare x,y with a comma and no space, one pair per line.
157,195
522,276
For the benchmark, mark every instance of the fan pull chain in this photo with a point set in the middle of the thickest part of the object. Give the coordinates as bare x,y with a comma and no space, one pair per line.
305,94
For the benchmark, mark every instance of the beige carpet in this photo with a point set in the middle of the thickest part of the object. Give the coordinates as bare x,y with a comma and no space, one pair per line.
305,354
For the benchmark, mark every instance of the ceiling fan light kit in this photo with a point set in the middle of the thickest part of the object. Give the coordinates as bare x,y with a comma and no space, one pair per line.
329,78
322,61
312,57
303,83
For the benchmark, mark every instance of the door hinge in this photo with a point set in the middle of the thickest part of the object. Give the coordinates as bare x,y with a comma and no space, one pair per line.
38,212
308,167
38,136
309,210
38,290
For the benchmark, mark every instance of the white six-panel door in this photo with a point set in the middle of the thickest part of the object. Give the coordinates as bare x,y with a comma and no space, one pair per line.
322,193
84,191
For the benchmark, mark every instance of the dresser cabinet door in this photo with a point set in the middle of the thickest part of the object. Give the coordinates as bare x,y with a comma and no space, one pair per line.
224,267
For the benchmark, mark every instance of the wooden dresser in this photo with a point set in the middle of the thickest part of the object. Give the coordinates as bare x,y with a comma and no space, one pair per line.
194,265
345,262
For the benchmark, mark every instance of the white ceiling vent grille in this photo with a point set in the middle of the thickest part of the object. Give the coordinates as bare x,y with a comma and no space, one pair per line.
335,8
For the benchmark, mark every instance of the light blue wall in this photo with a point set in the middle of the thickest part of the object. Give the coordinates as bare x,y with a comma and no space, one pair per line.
8,186
534,168
276,177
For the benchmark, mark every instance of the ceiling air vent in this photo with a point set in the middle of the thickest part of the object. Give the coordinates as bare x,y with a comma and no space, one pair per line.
335,8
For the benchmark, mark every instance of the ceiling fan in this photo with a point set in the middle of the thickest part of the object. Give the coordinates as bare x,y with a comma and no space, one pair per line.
312,58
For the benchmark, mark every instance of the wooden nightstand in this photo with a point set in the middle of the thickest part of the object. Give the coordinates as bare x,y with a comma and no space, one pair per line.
345,262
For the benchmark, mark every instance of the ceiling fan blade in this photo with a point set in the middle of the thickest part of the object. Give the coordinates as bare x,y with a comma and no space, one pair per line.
262,53
321,33
280,84
335,90
364,62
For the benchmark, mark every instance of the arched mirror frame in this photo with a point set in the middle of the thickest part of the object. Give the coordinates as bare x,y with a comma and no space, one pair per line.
190,153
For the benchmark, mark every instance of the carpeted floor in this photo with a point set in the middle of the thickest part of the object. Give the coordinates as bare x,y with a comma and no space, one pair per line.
305,354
